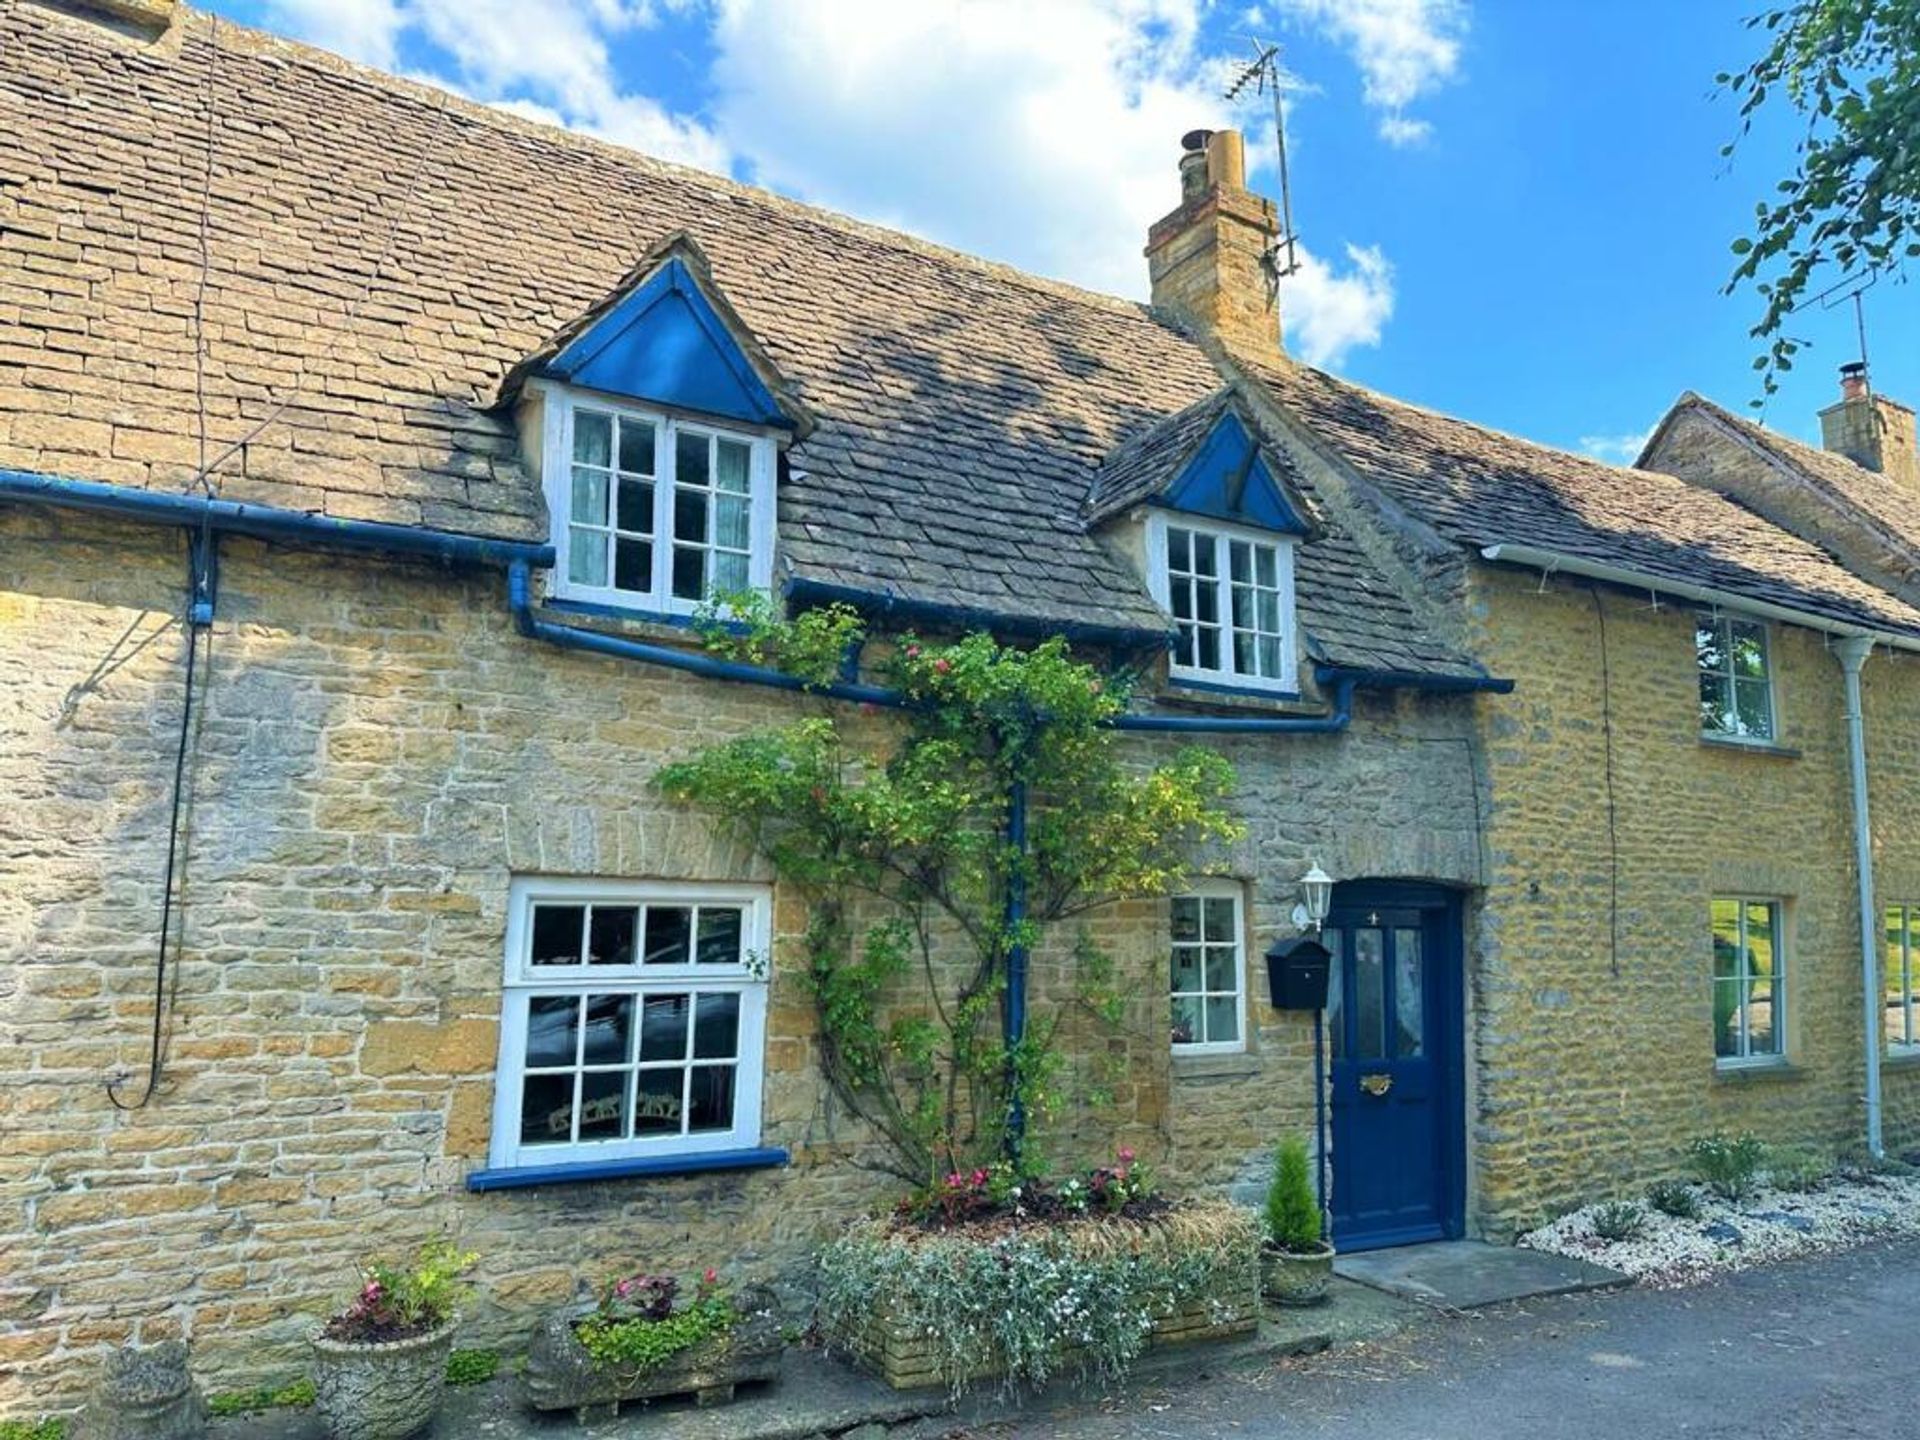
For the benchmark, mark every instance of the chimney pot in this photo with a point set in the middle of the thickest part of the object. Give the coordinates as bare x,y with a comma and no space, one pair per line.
1853,380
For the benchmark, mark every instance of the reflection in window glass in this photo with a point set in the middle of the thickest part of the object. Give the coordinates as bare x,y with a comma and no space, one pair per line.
1749,979
1369,994
1898,980
1409,978
1736,686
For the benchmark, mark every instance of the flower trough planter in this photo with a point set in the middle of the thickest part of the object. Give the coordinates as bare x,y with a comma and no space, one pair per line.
561,1375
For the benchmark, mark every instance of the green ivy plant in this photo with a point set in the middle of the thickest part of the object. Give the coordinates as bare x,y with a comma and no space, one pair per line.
898,837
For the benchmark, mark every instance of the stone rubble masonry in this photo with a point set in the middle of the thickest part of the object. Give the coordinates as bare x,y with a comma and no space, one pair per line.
1876,432
376,753
1595,1068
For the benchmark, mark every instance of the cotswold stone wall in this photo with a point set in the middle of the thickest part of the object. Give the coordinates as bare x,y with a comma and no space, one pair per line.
376,753
1594,1030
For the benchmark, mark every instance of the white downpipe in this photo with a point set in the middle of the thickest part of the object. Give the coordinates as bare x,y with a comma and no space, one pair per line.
1852,652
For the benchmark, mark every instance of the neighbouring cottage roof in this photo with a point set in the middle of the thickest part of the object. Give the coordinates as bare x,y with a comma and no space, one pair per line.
1856,495
1479,487
958,407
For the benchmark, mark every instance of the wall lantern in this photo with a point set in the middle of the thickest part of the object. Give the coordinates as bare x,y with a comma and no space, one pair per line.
1316,898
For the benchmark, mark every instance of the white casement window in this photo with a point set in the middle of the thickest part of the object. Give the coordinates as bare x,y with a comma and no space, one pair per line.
1736,679
1900,978
633,1021
1208,972
652,512
1749,981
1230,592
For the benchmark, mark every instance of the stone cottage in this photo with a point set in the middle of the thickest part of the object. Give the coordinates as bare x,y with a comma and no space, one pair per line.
363,456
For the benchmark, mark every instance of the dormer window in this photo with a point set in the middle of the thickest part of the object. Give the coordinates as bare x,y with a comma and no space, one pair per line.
1230,592
654,512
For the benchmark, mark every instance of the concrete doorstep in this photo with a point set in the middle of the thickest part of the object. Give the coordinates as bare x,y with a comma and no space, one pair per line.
1471,1274
820,1397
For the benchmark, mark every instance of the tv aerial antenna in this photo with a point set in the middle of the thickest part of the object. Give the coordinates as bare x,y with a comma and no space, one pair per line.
1838,294
1263,74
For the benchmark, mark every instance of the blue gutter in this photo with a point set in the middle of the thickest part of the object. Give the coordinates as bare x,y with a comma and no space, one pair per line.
266,522
1412,680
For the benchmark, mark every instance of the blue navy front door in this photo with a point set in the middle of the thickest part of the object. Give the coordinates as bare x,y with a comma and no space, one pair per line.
1393,1033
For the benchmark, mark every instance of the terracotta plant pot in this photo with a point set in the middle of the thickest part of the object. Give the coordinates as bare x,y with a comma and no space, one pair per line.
380,1392
1298,1279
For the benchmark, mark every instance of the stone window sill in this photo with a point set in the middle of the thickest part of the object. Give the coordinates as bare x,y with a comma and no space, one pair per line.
1751,747
1216,1067
524,1177
1753,1073
1902,1059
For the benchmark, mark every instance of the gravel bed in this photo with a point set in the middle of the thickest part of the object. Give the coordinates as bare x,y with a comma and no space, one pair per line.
1770,1225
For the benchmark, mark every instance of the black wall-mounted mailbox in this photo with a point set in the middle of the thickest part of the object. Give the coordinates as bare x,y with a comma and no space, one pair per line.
1297,973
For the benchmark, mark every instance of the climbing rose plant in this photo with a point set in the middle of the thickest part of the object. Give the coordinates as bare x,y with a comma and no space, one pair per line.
899,840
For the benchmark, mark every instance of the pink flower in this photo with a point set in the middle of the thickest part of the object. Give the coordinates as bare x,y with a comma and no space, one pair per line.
623,1289
913,652
1126,1155
711,1277
954,1179
942,665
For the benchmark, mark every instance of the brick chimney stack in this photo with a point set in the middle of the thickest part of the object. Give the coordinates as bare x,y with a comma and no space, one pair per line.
1870,429
1208,258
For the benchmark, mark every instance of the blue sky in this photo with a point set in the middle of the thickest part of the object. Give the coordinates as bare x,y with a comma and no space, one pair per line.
1514,210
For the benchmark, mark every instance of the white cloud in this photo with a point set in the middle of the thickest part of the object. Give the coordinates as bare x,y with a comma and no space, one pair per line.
1405,50
1327,313
1616,449
363,30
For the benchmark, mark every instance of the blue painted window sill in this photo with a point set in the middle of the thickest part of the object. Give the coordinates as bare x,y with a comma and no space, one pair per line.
525,1177
1176,684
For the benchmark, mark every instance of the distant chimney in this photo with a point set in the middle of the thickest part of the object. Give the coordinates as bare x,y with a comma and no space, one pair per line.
1870,429
1208,258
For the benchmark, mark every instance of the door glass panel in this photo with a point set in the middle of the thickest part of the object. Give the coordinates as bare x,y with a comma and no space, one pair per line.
1409,978
1369,995
1335,941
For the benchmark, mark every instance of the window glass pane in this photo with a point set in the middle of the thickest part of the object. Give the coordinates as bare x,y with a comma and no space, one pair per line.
556,934
592,437
1726,1018
636,507
1184,972
1708,643
611,941
587,557
657,1104
1223,1020
690,516
689,573
1183,645
1369,997
1179,550
1270,657
1244,653
663,1027
719,936
730,468
1223,968
1726,977
636,447
730,522
1205,556
589,496
603,1104
716,1027
1209,648
1335,941
669,935
1186,1020
1185,910
553,1030
1182,597
1409,978
1748,649
1893,976
1760,940
1716,704
609,1039
712,1098
729,572
1239,561
1267,566
1753,709
690,459
1206,604
1762,1034
633,565
546,1110
1220,912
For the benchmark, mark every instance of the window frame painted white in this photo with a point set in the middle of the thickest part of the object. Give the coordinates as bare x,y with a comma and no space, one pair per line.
561,405
1727,620
1746,1058
1204,890
1223,535
522,981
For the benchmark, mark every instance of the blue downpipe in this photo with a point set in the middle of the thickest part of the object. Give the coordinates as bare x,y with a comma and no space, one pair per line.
1014,1012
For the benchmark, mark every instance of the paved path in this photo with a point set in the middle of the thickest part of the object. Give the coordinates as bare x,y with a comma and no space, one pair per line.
1816,1348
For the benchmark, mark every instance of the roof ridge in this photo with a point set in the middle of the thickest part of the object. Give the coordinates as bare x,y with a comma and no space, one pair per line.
291,51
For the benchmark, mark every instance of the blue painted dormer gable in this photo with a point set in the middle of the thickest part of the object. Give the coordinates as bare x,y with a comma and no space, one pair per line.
666,336
1229,478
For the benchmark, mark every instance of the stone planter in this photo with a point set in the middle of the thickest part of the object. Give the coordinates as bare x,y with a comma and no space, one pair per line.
145,1394
560,1375
1287,1278
380,1392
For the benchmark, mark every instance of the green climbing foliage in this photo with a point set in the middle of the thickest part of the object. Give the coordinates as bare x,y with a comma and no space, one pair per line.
912,828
